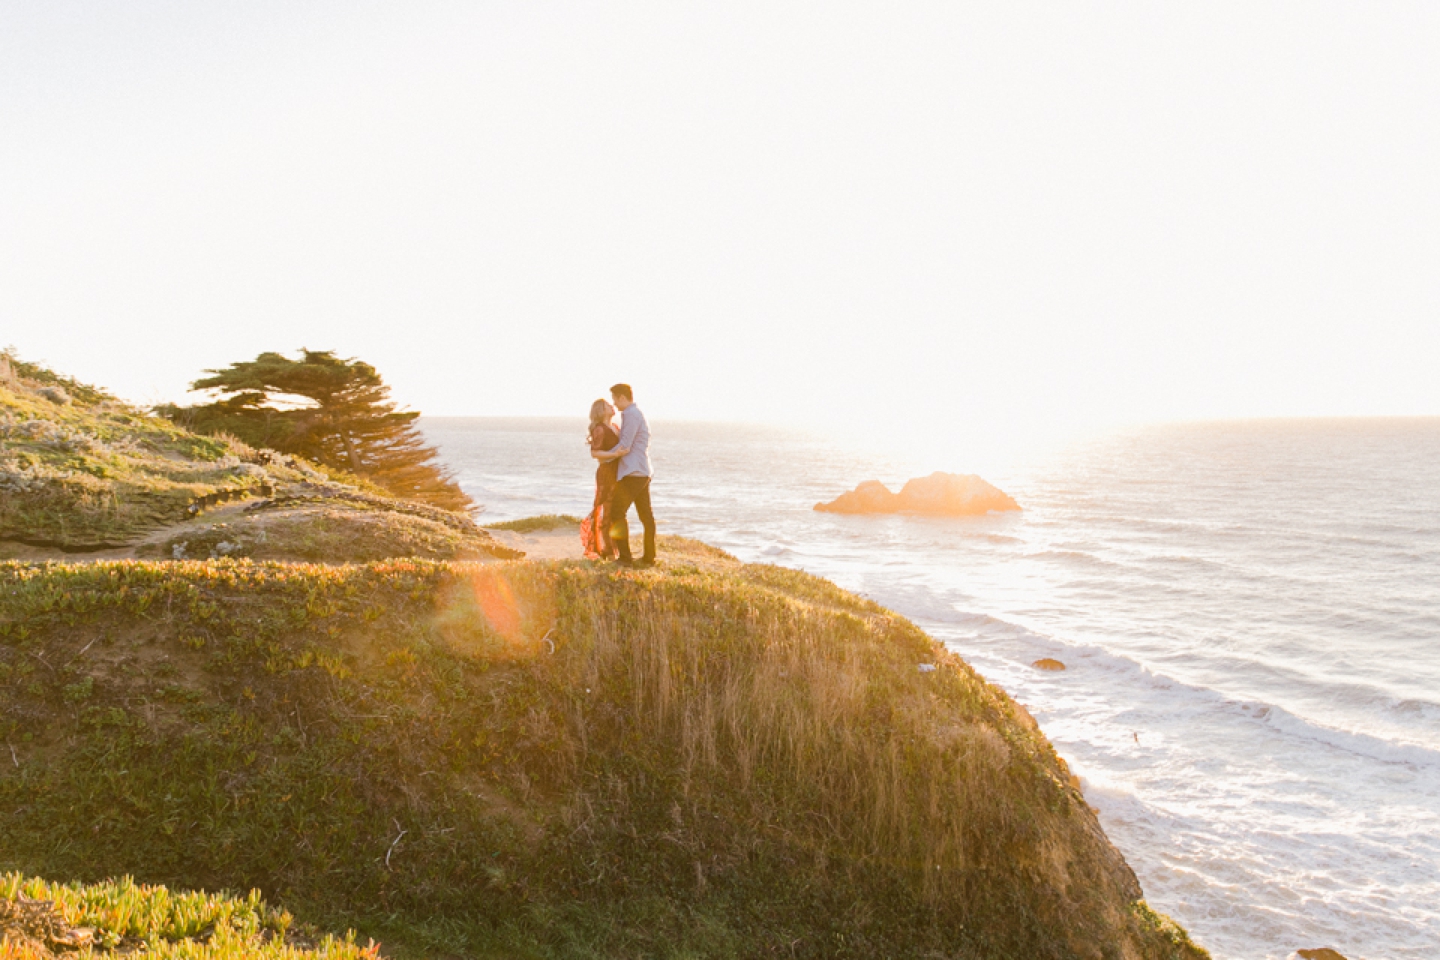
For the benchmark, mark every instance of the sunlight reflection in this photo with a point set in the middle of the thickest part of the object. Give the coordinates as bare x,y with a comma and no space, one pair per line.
478,612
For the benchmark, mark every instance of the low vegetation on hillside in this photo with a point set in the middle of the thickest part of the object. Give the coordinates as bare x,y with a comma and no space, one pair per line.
541,524
547,760
328,525
328,532
513,759
80,471
44,921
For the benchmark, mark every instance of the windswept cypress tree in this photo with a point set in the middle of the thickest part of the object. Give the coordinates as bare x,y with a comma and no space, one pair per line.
333,411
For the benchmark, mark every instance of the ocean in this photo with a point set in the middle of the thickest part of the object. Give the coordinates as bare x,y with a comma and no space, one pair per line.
1249,613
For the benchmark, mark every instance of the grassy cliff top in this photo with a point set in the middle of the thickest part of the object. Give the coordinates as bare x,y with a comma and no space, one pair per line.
547,760
501,759
80,469
543,523
82,472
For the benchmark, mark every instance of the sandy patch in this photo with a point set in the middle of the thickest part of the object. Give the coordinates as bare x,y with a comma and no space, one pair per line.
561,544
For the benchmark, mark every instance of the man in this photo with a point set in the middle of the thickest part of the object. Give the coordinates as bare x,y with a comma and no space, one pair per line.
633,478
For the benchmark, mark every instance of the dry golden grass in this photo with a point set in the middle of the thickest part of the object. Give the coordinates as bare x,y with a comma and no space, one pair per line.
540,524
706,759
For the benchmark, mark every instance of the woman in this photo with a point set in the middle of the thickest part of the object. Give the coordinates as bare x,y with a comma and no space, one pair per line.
595,530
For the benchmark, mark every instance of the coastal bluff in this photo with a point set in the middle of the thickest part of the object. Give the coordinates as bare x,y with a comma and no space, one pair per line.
938,495
458,741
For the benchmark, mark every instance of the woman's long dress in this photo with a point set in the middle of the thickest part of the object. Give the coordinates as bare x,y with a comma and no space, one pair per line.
595,530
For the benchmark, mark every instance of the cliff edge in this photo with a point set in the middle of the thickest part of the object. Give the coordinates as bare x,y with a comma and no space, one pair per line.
506,758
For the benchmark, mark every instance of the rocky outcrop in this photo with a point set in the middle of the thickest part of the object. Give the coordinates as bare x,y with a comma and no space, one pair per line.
872,496
938,495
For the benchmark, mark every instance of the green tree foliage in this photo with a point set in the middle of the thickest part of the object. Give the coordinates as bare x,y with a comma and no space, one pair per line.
334,411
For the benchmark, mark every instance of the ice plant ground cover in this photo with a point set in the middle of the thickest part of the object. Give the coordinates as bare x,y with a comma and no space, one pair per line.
553,759
40,920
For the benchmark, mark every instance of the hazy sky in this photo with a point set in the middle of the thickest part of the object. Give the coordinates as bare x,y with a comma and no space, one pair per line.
997,218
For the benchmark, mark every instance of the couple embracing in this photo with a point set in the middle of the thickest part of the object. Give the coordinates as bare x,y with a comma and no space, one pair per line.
622,479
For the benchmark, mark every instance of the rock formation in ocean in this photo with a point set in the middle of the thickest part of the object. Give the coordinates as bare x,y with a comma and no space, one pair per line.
872,496
1046,663
938,495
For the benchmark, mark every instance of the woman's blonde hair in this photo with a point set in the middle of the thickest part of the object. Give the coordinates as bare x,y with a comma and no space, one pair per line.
599,412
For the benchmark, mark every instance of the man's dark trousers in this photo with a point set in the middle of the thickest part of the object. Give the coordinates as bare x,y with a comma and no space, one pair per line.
632,489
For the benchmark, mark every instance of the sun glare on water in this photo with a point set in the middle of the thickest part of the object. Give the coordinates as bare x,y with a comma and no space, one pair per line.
953,442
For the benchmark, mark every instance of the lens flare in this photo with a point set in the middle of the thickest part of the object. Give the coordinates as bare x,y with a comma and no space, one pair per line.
479,612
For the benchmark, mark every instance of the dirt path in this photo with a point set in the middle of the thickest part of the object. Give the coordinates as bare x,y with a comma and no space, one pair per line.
562,544
10,550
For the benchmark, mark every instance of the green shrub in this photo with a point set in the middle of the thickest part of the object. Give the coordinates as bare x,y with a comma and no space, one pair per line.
541,524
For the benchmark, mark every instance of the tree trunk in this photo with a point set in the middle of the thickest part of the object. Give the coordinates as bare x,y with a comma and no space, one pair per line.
350,452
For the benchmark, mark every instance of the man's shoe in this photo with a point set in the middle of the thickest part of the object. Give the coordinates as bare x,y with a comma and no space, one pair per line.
647,562
623,562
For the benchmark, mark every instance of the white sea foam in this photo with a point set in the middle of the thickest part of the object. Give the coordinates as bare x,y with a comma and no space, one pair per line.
1129,674
1249,614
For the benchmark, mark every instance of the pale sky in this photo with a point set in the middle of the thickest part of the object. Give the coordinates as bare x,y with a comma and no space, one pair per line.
1006,218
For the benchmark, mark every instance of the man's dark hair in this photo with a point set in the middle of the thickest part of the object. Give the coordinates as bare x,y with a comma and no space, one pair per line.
622,390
